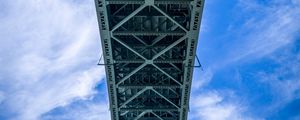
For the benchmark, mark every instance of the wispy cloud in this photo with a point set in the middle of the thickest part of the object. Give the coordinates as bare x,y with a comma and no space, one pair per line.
82,111
202,78
262,29
51,49
283,80
211,105
273,26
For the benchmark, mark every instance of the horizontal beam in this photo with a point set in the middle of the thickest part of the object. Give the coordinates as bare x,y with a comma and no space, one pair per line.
149,33
155,61
156,117
154,86
146,109
153,97
142,2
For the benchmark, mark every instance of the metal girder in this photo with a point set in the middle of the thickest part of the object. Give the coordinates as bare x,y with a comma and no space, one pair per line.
154,86
107,50
128,17
167,74
131,49
157,116
120,9
156,40
149,33
141,92
133,97
140,115
190,57
149,109
165,98
149,51
130,74
155,61
169,47
139,39
170,18
142,2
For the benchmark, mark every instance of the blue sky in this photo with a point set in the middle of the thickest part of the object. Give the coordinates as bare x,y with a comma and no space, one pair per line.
249,50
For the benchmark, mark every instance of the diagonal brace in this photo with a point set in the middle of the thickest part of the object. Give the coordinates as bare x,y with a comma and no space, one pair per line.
140,115
169,47
134,96
132,73
164,98
131,49
129,17
167,74
170,18
156,40
157,116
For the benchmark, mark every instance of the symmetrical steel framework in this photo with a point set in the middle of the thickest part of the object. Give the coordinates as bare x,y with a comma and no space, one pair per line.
149,52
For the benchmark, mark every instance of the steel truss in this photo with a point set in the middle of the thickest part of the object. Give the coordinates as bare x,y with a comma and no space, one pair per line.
149,50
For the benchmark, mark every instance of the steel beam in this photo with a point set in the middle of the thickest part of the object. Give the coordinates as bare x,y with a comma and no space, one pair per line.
165,98
148,33
149,109
159,38
161,70
128,47
154,86
142,2
170,18
133,97
139,39
169,47
128,17
157,116
190,57
146,46
155,61
140,115
132,73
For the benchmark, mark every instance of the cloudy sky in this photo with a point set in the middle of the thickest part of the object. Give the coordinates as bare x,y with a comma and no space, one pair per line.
249,50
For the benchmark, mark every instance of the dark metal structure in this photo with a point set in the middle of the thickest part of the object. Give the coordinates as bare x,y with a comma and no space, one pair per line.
149,54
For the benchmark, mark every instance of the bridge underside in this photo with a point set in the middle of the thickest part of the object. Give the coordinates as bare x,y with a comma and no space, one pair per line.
149,50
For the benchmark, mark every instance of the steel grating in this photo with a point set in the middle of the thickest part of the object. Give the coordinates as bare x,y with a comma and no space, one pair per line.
149,53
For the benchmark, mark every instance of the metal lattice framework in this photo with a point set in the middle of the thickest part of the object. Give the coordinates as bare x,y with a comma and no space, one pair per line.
149,53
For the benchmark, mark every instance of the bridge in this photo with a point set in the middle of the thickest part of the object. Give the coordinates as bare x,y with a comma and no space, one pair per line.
149,49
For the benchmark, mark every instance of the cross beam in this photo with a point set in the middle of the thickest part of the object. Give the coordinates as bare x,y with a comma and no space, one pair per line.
147,46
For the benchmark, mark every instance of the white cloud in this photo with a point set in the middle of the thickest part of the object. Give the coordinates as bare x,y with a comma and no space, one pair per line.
284,80
202,78
49,51
87,111
274,26
212,106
